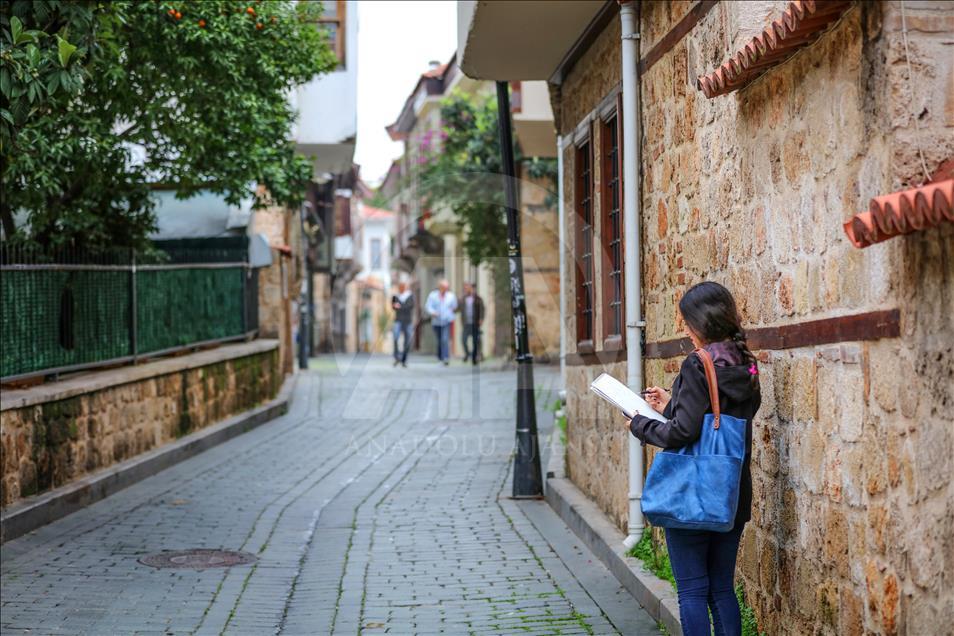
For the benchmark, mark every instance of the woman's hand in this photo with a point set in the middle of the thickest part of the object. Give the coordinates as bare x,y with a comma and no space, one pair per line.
658,398
628,421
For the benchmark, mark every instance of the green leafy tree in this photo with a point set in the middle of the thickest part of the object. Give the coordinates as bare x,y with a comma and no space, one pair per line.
461,169
103,99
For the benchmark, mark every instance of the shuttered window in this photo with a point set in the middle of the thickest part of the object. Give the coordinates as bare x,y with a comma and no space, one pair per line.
585,292
611,233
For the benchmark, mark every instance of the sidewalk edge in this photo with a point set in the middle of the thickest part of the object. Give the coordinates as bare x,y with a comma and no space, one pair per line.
24,517
606,541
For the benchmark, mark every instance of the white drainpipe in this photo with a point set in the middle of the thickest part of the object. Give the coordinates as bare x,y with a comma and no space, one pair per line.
561,219
634,322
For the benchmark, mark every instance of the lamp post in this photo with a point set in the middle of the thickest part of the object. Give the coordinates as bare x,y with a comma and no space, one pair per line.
527,480
305,297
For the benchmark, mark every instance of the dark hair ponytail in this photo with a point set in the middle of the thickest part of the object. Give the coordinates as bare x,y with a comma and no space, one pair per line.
710,311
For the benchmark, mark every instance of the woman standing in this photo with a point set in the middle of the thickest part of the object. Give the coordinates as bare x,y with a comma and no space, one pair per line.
703,561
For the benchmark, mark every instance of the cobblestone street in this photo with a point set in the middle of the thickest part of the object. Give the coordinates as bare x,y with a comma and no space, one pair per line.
378,504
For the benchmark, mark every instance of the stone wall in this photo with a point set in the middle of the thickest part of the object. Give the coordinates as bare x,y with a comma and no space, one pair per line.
278,284
540,241
54,434
597,443
853,522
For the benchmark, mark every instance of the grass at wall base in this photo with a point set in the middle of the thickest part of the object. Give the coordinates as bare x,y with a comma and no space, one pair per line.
655,558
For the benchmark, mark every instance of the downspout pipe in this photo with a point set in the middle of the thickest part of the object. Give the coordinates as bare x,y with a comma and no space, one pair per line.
631,268
561,219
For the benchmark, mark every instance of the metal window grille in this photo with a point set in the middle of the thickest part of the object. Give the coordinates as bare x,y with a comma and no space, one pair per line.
612,232
584,244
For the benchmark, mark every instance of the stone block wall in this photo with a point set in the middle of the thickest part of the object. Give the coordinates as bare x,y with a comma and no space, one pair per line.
126,412
540,240
853,520
278,284
597,443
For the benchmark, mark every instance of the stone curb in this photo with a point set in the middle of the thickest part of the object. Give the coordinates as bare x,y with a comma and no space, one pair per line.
606,541
26,516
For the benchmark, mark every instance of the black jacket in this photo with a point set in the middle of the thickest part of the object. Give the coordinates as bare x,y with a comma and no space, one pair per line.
405,312
739,396
478,309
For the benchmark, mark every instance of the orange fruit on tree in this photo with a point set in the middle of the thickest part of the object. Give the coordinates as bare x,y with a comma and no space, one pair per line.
201,24
259,26
250,11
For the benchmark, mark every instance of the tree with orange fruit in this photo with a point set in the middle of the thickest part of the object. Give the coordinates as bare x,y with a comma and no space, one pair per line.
102,100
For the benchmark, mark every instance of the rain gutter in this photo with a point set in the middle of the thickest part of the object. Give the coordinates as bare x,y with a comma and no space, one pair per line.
631,272
561,215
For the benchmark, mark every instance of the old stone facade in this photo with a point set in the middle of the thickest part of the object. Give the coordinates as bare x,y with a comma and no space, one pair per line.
853,520
540,247
279,284
114,417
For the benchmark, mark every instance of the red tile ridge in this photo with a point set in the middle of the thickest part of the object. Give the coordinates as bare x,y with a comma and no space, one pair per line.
437,71
902,212
944,170
370,212
801,23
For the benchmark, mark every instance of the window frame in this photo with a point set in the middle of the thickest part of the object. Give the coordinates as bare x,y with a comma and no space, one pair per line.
372,243
584,252
339,21
613,301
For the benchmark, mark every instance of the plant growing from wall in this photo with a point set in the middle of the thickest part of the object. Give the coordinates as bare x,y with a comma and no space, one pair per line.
101,99
655,557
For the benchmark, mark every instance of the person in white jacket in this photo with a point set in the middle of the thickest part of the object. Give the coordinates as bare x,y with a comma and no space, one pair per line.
441,305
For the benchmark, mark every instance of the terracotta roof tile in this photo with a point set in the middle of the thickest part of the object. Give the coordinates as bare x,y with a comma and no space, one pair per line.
800,25
369,212
902,213
437,71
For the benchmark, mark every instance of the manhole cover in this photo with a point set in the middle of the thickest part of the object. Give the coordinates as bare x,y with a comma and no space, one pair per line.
197,559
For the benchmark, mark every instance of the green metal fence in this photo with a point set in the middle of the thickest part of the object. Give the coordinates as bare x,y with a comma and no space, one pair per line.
73,311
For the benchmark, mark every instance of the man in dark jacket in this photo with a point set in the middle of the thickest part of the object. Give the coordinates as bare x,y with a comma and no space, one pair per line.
403,305
472,314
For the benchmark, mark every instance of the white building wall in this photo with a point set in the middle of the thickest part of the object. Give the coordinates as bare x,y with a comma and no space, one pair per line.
381,230
327,123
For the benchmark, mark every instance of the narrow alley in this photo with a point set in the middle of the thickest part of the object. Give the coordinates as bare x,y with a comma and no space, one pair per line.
378,504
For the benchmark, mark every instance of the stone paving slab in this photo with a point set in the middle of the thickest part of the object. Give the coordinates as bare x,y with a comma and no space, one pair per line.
376,505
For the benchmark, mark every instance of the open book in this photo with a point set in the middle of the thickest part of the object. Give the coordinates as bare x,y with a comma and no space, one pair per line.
620,396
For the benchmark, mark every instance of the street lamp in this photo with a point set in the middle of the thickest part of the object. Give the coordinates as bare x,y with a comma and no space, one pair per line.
527,480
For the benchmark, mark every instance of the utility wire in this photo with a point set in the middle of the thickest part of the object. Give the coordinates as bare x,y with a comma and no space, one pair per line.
907,61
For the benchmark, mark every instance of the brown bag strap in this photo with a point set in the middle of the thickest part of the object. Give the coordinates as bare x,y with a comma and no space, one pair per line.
712,382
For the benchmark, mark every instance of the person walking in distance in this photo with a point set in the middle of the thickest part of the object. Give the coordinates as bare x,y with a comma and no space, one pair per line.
441,305
472,312
403,305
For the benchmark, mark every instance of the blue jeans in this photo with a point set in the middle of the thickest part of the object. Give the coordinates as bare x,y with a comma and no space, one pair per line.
471,337
402,328
703,564
442,333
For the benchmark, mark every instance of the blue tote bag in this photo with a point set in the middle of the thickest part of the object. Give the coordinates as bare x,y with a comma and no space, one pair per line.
697,487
